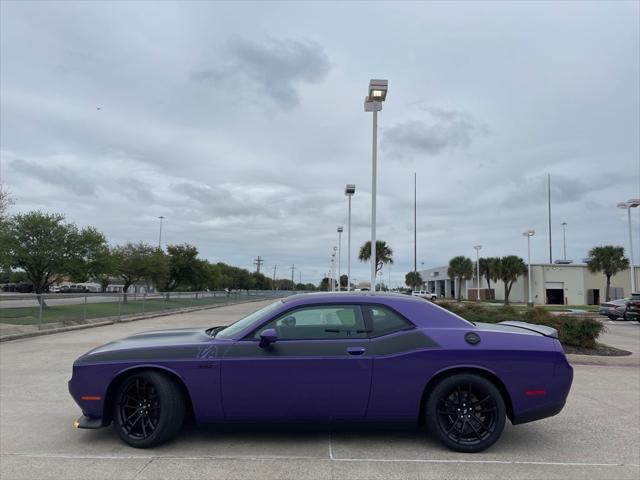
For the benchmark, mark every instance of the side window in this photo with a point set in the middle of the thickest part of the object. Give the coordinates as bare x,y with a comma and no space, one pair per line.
322,322
385,321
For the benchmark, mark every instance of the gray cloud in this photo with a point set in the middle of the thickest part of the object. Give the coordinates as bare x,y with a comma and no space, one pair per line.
55,174
244,145
439,130
275,68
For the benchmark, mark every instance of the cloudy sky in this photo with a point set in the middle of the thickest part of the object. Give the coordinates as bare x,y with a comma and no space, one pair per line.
242,122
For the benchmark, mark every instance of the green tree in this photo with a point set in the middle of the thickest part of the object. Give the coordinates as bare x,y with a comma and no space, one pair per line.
93,258
5,202
460,269
413,280
324,285
139,262
46,248
184,267
384,254
344,282
261,282
510,268
609,260
489,268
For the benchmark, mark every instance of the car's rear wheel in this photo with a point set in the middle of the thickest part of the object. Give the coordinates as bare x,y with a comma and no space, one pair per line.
466,412
148,409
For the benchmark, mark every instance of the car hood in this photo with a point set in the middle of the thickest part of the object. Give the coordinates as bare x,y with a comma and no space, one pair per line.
178,343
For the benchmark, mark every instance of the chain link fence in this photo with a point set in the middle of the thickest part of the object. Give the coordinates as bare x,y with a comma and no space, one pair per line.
31,311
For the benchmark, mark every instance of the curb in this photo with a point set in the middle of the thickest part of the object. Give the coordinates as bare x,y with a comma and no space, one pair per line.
604,361
114,320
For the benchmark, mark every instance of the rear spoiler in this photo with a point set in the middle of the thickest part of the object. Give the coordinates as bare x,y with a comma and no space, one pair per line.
541,329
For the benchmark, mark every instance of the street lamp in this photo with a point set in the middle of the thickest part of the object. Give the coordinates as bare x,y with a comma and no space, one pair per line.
161,217
635,202
349,191
478,248
373,103
529,234
564,238
340,229
333,267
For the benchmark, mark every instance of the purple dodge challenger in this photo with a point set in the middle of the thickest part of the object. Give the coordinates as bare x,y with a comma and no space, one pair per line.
328,357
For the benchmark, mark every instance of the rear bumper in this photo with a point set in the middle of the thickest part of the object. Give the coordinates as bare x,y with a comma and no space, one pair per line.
533,415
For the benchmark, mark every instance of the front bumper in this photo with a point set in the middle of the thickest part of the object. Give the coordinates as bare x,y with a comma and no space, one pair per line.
87,422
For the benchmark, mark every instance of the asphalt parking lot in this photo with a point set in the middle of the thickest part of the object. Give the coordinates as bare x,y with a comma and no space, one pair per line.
596,436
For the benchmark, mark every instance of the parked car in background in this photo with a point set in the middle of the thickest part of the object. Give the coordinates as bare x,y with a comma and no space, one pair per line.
424,294
632,308
78,289
54,289
613,309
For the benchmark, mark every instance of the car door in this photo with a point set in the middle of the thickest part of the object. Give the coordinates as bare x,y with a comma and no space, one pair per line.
319,368
399,365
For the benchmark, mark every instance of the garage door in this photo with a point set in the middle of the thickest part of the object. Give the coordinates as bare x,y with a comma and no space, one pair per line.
554,285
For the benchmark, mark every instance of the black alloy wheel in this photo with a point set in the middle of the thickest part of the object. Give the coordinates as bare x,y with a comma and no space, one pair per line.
466,412
148,410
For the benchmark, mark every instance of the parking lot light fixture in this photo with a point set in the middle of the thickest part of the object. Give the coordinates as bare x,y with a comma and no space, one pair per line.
628,206
340,230
529,234
478,248
349,191
373,103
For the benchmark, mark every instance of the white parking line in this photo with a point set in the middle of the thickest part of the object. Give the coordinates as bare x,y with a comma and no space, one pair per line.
331,457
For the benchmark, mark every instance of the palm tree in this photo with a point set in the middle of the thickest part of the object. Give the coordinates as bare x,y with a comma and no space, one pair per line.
489,267
384,253
510,268
413,280
608,260
460,268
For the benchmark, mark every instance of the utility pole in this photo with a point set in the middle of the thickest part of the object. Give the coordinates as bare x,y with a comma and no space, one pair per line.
564,239
549,197
275,268
415,222
161,217
293,269
258,263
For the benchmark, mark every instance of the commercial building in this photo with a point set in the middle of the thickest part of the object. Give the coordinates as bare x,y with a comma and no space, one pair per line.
570,284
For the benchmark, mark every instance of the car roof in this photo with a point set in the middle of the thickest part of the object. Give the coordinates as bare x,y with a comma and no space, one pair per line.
367,296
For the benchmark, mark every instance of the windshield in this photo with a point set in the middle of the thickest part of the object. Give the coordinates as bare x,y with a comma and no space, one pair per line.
240,325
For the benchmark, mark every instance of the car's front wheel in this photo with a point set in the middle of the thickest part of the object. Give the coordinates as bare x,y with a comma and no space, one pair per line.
466,412
148,409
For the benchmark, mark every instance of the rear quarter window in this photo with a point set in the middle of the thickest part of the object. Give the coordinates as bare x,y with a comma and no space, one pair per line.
385,321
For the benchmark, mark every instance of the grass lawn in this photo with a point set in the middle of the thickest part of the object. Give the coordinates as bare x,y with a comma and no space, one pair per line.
76,312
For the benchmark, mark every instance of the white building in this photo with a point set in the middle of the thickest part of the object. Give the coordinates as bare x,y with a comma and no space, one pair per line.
570,284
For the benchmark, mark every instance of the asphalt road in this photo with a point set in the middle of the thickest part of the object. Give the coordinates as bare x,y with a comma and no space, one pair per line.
596,436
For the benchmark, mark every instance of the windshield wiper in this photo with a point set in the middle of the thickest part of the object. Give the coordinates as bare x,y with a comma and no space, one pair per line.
214,330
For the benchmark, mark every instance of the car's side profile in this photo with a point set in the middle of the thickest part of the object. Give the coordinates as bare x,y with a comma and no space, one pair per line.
328,357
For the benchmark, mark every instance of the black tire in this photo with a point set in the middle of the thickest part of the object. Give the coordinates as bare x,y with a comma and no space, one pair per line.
148,409
466,412
613,317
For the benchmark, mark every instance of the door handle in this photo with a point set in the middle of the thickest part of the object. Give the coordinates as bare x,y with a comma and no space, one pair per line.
355,350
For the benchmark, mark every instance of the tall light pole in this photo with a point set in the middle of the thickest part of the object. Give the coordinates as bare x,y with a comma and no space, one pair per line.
478,248
529,234
373,103
349,191
564,238
628,206
333,268
161,217
340,230
415,222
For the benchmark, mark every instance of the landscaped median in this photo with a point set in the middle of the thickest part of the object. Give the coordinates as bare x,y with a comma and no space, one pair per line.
29,315
577,333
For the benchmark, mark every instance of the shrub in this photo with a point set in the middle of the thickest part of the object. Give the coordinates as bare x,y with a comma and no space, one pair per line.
572,331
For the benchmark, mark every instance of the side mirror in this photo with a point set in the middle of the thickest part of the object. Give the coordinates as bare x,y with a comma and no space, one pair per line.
267,337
